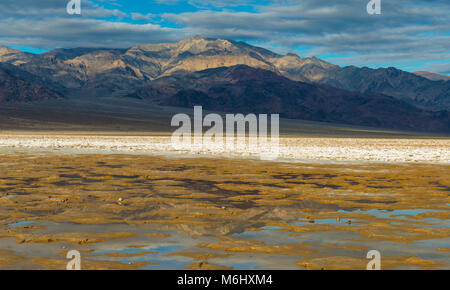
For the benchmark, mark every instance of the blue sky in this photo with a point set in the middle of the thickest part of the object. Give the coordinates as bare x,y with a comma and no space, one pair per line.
411,35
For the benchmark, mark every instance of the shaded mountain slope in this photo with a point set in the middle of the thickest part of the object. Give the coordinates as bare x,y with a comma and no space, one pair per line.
405,86
242,89
20,86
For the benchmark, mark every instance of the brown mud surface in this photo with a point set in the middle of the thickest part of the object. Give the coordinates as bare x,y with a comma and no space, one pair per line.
148,212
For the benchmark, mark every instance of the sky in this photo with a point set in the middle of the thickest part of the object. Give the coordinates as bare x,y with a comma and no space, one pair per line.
408,34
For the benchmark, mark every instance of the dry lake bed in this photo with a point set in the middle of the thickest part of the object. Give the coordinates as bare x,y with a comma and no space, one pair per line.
130,202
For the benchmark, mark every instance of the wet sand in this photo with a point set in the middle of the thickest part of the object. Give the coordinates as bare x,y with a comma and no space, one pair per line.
144,211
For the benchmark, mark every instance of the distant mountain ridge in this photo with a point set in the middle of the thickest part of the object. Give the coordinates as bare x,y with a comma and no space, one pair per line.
97,71
432,76
230,76
406,86
251,90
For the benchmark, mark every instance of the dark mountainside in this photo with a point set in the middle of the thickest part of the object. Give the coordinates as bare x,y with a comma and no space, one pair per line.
19,86
164,71
250,90
402,85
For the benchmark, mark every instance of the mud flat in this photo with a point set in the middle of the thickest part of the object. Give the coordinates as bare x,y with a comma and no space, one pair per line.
139,211
292,149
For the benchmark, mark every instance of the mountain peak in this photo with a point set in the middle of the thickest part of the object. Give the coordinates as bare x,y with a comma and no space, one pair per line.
198,37
293,55
5,49
210,43
14,56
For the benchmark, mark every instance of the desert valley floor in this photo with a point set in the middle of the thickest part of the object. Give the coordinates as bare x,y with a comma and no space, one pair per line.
130,202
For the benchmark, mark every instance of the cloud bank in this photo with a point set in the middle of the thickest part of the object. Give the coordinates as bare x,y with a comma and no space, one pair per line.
408,34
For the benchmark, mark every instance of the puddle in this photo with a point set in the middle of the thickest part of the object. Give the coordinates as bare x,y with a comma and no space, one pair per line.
24,224
160,257
321,221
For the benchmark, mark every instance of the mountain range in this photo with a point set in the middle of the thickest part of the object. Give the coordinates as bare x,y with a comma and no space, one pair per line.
227,75
251,90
